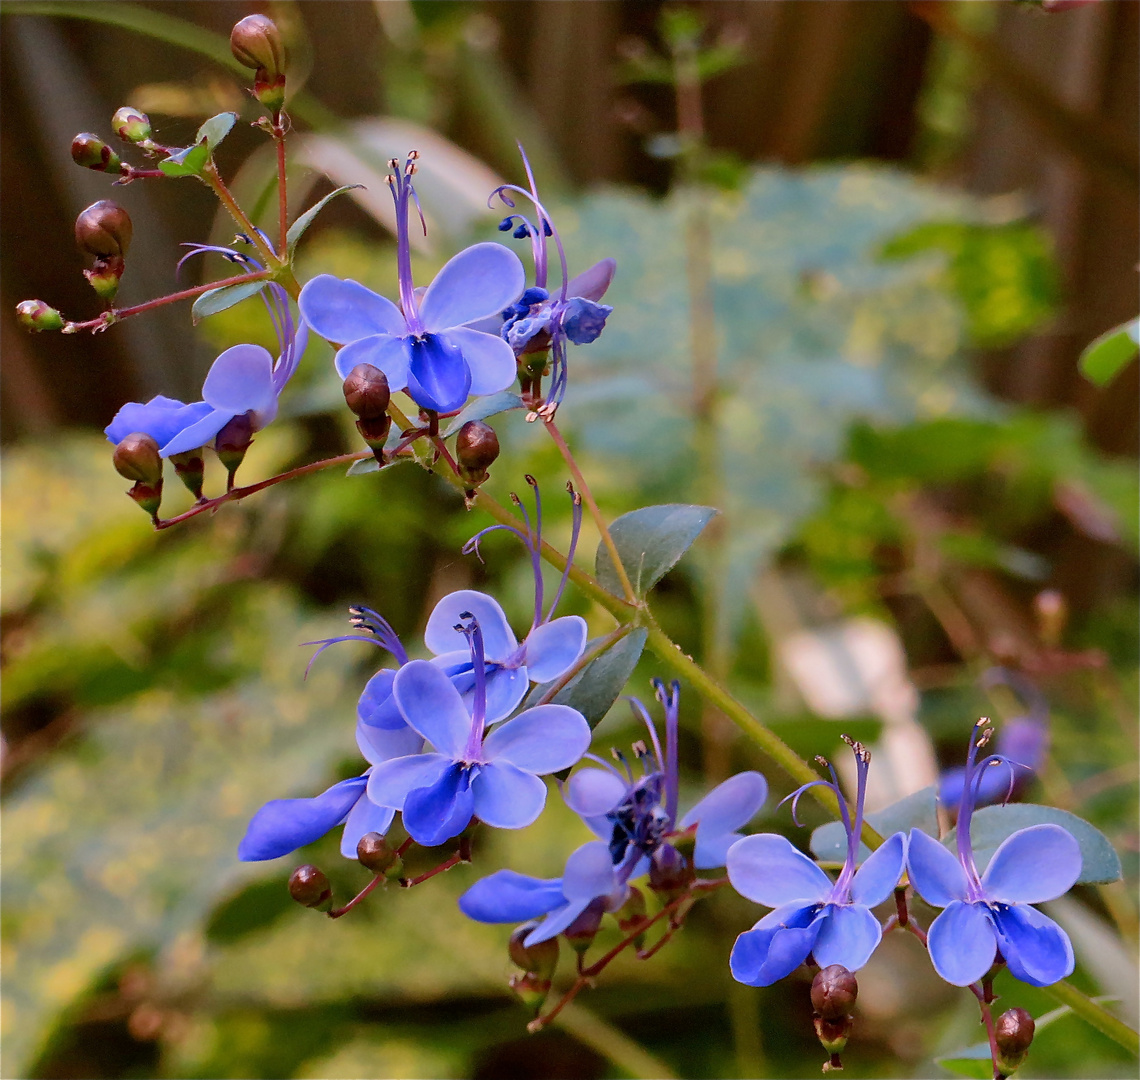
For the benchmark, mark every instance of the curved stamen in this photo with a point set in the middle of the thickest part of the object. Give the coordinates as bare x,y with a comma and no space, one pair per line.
474,635
671,703
796,795
364,618
640,711
989,762
979,737
575,529
854,829
535,551
324,643
619,756
538,241
472,544
399,181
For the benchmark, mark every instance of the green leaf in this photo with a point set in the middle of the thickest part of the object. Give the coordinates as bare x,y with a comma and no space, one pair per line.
649,542
214,130
917,811
992,824
483,407
973,1061
1109,354
189,161
210,303
297,229
596,687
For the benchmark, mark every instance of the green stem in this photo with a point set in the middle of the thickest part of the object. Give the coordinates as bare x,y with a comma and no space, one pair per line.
1096,1015
217,185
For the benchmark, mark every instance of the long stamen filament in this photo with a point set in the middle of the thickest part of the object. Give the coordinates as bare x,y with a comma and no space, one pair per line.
575,528
474,637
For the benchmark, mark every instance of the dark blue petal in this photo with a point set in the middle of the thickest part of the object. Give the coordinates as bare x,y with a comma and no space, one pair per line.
1036,949
437,813
767,953
283,825
584,320
505,896
438,376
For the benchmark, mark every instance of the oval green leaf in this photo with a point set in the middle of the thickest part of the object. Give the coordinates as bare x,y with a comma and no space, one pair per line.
210,303
917,811
214,130
972,1061
297,229
187,161
483,407
1111,353
650,541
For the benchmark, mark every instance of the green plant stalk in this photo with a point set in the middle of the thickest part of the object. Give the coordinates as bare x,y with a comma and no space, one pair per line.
589,1028
1095,1015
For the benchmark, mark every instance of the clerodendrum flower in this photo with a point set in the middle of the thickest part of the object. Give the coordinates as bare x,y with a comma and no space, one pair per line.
989,914
494,777
813,916
635,819
425,345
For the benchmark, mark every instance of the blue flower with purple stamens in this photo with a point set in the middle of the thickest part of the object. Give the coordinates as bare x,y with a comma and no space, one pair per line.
425,345
494,777
988,915
814,916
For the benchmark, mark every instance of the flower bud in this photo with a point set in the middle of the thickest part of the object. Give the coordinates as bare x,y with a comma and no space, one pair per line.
93,153
833,992
476,448
540,959
581,932
136,458
256,42
310,888
35,315
632,914
1013,1034
669,872
366,392
190,467
103,230
531,989
131,125
232,442
376,854
833,1035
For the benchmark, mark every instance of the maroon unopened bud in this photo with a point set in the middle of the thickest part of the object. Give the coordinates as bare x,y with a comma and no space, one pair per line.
1013,1034
539,959
93,153
131,125
232,442
256,43
35,315
476,448
531,988
190,467
310,888
833,992
669,872
833,1036
376,854
104,230
581,932
136,458
366,392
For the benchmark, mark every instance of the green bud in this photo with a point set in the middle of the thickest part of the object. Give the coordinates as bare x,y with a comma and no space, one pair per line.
35,315
540,959
833,992
1013,1034
377,855
136,458
833,1035
93,153
310,888
131,125
232,442
531,989
476,448
104,230
191,469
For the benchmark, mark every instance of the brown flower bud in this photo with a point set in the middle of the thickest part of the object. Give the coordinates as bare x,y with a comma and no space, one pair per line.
310,888
540,959
104,230
476,448
131,125
1013,1034
366,391
256,42
93,153
35,315
136,458
376,854
232,442
669,872
531,989
581,932
833,992
190,468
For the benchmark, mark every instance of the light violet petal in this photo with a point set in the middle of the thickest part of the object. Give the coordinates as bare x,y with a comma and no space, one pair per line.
382,744
507,797
489,358
283,825
934,872
197,434
1034,864
589,873
876,879
553,648
241,379
557,921
767,869
161,418
962,943
1036,949
377,706
480,281
364,817
593,793
431,705
389,354
541,740
593,283
848,936
499,642
390,781
344,310
509,897
729,805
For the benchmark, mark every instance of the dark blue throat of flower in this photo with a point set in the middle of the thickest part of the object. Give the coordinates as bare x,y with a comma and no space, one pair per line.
438,376
640,821
462,675
437,813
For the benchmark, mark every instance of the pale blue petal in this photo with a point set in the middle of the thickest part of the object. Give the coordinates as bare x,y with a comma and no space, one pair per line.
593,283
553,648
593,793
364,817
241,379
377,706
720,813
283,825
438,376
389,354
557,921
383,744
876,879
344,310
1034,864
390,781
161,418
499,642
1036,949
767,869
509,897
198,434
589,873
767,953
934,872
437,813
506,687
541,740
962,942
848,936
480,281
432,706
507,797
489,358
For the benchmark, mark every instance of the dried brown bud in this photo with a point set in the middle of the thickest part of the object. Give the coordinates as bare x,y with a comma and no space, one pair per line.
256,42
366,392
35,315
476,448
92,152
310,888
833,992
1013,1034
376,854
131,125
540,959
104,230
136,458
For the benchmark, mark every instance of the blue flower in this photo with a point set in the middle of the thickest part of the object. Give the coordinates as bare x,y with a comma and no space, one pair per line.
829,921
427,347
494,777
989,915
161,418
